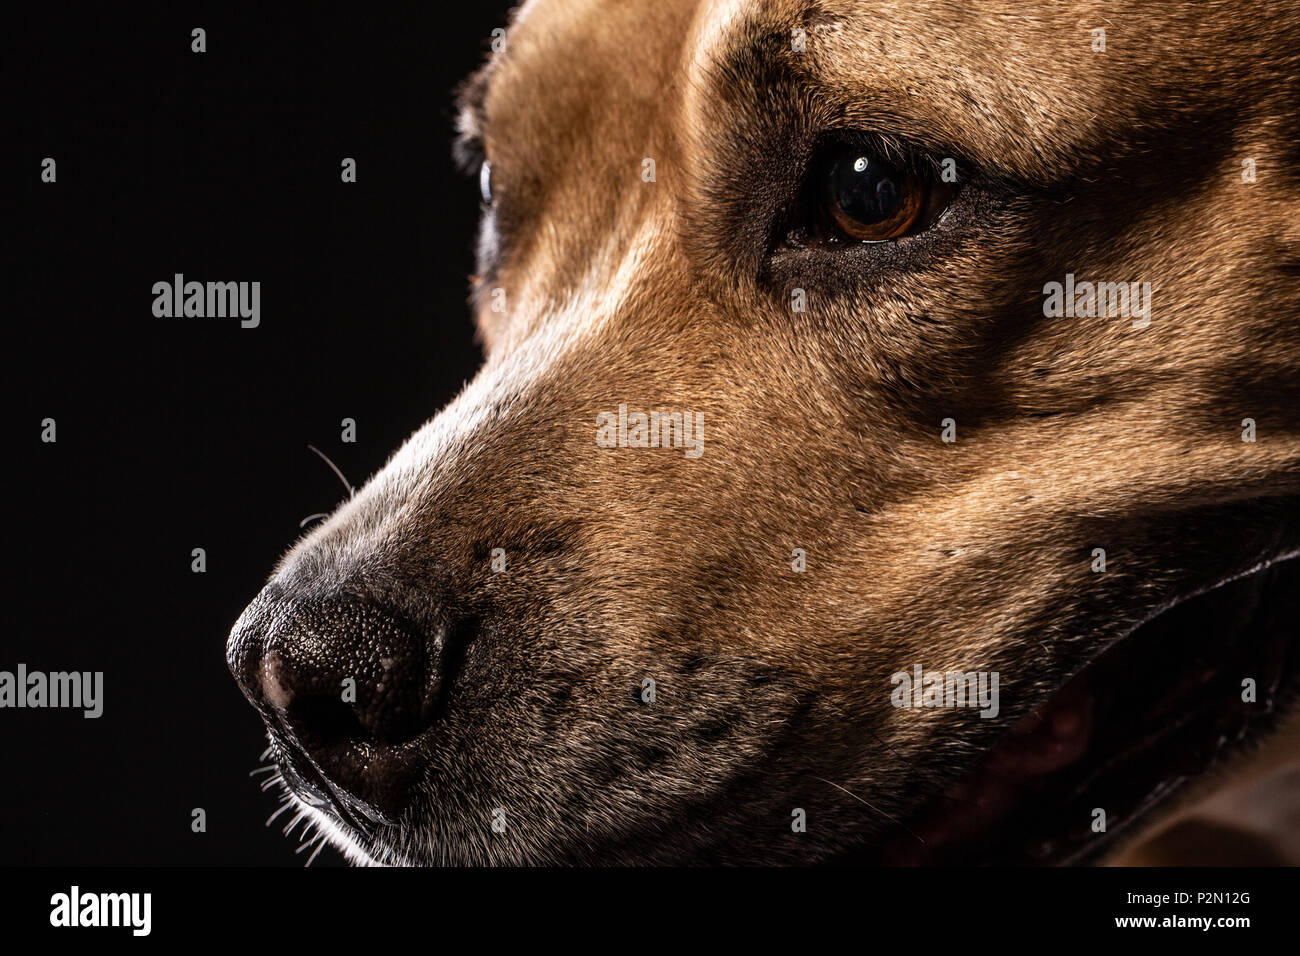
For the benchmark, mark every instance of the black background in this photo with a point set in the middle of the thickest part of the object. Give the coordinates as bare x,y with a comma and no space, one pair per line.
183,433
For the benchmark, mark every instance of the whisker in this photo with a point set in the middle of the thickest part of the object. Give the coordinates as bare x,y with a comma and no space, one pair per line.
319,846
308,843
865,804
335,467
284,806
314,836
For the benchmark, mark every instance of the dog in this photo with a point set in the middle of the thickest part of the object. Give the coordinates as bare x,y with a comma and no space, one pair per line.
887,449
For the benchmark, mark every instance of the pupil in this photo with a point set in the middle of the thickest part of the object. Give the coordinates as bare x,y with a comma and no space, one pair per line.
866,189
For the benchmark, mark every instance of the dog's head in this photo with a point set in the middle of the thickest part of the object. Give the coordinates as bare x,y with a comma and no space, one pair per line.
970,333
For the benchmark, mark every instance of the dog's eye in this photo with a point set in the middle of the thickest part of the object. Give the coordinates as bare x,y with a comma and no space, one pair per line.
862,192
866,199
485,182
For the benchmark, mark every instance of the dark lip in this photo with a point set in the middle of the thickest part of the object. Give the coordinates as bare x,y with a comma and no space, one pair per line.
1170,711
311,786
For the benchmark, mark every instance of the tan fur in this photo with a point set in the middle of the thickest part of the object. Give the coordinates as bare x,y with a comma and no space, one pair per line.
822,428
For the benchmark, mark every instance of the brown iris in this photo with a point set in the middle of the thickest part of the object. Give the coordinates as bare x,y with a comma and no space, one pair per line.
870,200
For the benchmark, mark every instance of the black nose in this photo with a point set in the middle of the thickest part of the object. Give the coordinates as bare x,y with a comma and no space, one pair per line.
347,690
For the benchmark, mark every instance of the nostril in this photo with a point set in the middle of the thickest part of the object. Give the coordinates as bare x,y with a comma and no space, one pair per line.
327,720
390,710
